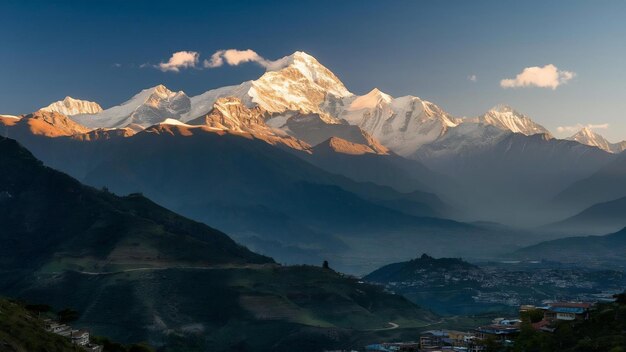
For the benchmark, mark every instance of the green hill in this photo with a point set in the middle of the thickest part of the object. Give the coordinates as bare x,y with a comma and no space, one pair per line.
138,272
22,331
406,271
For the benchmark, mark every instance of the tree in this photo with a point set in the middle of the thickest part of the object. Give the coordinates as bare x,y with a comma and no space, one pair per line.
325,265
532,316
491,344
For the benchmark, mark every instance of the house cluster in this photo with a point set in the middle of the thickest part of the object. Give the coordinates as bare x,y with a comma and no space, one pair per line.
77,337
451,340
559,311
501,331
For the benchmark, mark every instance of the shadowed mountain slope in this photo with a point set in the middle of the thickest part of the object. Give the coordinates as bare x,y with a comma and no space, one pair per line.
137,272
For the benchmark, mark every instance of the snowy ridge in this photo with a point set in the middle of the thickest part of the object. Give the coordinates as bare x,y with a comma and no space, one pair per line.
148,107
401,124
70,106
588,137
505,117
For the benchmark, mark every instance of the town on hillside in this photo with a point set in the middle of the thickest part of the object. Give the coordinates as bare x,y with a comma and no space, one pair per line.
503,334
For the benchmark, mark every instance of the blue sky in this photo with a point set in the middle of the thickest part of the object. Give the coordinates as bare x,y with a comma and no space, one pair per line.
425,48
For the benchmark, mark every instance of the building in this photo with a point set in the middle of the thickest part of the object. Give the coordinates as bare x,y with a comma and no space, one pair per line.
433,339
501,333
77,337
80,337
527,308
460,338
447,340
567,311
393,347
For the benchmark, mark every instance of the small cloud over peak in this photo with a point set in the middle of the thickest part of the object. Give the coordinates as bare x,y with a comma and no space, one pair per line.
577,127
548,76
472,78
178,60
234,57
231,57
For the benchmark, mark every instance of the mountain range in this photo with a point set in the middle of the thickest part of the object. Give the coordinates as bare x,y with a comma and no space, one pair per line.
296,166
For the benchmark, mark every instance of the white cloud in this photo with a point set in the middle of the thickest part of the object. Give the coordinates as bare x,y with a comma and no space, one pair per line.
577,127
472,78
180,59
234,57
548,76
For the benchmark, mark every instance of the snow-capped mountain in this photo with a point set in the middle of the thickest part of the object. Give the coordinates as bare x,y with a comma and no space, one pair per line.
70,106
298,83
148,107
301,84
506,118
301,98
402,124
588,137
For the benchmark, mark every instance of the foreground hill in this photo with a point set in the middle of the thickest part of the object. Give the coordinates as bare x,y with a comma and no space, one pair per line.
22,331
138,272
587,250
49,218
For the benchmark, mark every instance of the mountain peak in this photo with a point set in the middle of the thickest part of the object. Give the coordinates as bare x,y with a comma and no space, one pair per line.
301,55
587,132
297,82
289,60
588,137
70,106
370,100
506,118
161,89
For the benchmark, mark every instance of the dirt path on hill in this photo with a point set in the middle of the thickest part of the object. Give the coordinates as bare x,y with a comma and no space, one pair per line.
213,267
